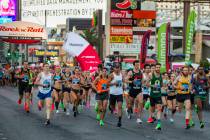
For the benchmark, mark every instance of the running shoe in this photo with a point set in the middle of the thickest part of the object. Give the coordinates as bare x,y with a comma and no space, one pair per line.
171,120
192,124
150,120
47,122
19,101
158,127
57,111
119,124
98,117
202,125
139,121
128,113
67,113
101,123
187,126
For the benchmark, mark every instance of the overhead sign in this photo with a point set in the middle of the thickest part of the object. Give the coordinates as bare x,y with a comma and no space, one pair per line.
121,39
57,11
22,30
121,14
125,48
50,53
121,30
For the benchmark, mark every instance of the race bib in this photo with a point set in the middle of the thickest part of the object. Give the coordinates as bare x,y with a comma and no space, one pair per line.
137,83
104,86
119,83
185,87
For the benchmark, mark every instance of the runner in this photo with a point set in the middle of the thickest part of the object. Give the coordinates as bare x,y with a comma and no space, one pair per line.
76,87
1,77
183,87
116,91
57,88
155,95
24,87
201,85
86,84
44,81
171,97
164,93
135,83
146,86
100,85
67,89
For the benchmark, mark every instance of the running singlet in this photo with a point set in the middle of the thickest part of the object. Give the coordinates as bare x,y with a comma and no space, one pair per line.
1,74
47,81
156,84
117,89
137,81
75,81
200,86
102,86
184,82
170,88
26,76
145,89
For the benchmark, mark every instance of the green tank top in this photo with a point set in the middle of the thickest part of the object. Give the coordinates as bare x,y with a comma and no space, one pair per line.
156,84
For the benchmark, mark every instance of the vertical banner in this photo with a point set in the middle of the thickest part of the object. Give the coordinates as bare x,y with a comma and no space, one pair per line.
189,35
168,40
144,47
162,46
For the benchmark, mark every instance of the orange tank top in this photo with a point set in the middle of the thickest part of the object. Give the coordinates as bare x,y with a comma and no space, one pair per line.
102,85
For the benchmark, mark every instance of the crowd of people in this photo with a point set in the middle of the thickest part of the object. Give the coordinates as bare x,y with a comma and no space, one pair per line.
140,90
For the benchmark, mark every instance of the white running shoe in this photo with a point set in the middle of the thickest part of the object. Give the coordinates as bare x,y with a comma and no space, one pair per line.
67,113
171,120
139,121
57,111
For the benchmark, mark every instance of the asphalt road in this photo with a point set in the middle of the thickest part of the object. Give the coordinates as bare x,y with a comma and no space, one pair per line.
15,124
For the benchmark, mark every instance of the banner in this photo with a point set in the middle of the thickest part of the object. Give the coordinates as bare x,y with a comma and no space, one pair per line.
162,46
121,39
168,40
85,54
189,35
144,46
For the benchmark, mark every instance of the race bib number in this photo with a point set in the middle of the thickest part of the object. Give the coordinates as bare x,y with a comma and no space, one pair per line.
137,83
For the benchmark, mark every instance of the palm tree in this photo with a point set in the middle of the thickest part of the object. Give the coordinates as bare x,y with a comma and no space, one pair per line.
91,36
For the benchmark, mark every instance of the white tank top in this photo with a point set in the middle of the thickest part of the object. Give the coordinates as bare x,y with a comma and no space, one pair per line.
145,90
117,89
45,80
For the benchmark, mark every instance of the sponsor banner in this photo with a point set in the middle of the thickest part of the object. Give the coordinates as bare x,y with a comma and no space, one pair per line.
144,23
121,22
89,59
121,30
121,39
121,14
125,48
50,53
162,46
144,48
20,29
125,4
189,35
74,44
140,14
144,29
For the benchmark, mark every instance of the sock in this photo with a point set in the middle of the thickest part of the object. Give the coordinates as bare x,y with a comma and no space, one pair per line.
165,109
187,121
56,105
48,111
120,118
158,121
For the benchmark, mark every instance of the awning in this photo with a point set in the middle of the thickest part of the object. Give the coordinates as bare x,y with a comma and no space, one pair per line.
20,32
